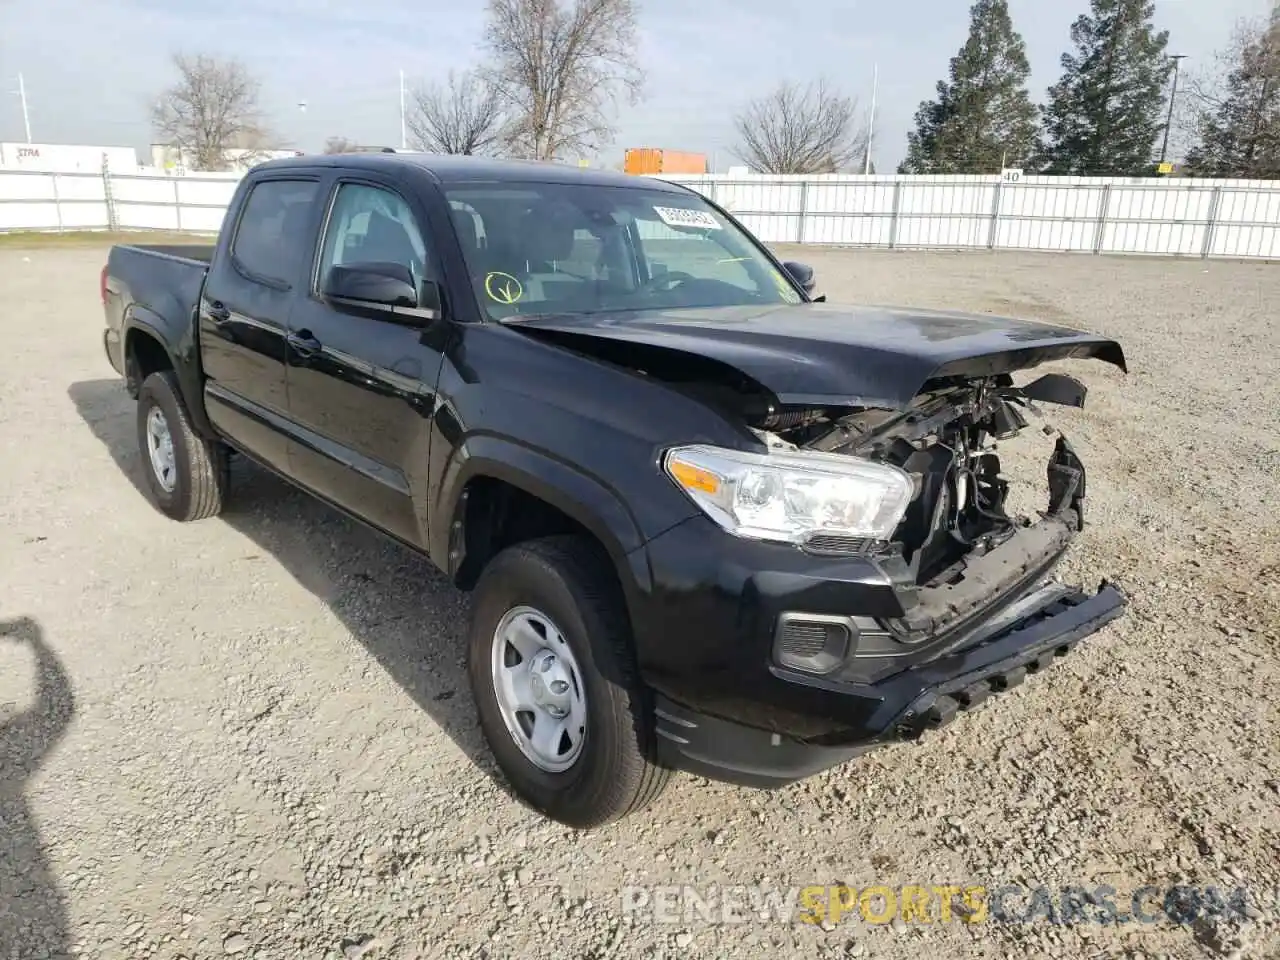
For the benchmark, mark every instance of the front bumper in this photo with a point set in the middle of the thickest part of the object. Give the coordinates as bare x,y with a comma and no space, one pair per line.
900,707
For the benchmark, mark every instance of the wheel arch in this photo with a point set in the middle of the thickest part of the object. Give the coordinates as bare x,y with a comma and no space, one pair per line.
148,350
145,351
502,493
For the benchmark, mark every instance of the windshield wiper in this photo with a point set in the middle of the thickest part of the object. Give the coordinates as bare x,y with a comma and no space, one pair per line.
520,317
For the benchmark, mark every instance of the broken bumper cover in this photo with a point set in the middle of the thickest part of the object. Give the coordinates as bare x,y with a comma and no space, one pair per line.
968,677
900,707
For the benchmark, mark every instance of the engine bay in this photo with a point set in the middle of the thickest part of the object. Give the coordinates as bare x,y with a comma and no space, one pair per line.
947,441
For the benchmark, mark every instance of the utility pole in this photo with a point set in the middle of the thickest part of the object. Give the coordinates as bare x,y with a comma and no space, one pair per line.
26,117
871,123
404,135
1177,58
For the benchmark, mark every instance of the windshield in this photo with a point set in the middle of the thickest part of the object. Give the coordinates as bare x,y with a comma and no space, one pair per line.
534,248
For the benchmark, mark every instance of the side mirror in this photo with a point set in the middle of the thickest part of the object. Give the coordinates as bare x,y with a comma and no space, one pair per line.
383,284
382,291
802,274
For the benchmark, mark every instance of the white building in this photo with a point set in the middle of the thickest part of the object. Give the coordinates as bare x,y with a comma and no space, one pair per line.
67,157
173,160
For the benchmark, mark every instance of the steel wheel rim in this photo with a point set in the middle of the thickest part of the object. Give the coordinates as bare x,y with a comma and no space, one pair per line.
160,449
539,690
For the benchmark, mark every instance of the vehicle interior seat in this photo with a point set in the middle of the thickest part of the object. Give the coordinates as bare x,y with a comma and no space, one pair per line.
547,240
387,241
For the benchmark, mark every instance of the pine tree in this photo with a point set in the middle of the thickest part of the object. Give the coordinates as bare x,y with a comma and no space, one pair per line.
1105,114
1240,132
983,118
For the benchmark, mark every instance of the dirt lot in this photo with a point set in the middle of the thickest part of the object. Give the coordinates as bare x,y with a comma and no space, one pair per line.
253,735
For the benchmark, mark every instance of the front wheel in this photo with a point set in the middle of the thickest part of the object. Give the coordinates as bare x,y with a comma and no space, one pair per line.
186,474
554,680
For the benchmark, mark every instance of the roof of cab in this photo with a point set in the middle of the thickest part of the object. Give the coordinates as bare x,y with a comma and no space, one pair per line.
450,168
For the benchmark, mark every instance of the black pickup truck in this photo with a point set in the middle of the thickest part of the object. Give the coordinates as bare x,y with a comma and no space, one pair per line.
711,521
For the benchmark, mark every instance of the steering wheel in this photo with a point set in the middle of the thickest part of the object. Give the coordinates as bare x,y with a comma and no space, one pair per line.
664,281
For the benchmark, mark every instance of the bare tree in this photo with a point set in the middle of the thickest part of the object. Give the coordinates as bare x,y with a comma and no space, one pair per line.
461,115
213,108
560,69
1204,86
1233,106
340,145
801,129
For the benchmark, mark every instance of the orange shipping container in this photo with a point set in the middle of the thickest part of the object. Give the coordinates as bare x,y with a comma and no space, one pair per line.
656,160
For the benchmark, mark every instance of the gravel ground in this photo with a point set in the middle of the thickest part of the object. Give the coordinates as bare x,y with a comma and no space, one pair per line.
253,735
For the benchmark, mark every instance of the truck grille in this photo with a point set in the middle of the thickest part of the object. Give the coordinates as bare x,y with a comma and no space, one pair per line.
838,546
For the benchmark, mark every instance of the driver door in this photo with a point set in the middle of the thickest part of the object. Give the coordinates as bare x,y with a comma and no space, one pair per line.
361,391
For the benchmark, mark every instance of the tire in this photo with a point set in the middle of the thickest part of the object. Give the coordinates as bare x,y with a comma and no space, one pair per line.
565,581
195,484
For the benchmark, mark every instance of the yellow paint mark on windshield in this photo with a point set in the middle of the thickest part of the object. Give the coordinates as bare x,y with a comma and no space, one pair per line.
787,291
503,288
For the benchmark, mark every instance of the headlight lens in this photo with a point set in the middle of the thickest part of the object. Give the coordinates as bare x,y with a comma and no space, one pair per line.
790,497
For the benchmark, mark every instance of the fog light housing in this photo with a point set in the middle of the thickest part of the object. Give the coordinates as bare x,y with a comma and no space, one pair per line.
813,642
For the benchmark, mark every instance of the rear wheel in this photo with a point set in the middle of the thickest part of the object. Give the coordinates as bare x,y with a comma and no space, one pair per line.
186,474
553,675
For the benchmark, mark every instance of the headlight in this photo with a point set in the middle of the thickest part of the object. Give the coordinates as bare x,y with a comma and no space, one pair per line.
790,497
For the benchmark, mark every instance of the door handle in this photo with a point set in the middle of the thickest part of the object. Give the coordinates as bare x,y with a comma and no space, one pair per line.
304,344
219,312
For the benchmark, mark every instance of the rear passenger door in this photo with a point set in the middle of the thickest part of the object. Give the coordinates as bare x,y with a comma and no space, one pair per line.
361,390
244,311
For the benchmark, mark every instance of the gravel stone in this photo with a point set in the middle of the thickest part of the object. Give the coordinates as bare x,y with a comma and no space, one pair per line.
268,688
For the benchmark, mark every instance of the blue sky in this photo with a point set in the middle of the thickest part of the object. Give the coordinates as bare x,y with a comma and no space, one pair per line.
92,65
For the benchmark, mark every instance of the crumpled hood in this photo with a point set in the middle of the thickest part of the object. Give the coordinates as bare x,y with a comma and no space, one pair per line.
820,354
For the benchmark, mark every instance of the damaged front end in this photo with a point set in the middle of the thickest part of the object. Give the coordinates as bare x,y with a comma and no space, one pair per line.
960,553
880,430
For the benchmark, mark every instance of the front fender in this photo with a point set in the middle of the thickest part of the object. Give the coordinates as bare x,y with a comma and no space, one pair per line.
586,499
566,487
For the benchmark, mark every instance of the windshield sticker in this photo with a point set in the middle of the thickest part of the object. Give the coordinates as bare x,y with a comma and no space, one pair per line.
503,288
682,217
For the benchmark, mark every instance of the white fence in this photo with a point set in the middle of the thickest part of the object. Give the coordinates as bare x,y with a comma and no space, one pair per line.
1181,217
38,200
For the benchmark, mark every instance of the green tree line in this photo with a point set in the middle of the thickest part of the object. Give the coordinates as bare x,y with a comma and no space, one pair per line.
1108,113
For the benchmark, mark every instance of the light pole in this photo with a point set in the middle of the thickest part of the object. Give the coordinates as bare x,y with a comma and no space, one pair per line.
871,120
404,135
1177,58
22,95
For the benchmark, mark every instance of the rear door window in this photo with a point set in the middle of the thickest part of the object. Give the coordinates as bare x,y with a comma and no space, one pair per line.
271,239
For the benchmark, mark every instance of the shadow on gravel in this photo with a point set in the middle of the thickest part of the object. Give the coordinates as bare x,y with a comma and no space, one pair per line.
33,915
393,601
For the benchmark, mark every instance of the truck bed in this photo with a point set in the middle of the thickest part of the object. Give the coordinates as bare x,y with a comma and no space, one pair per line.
198,252
159,285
